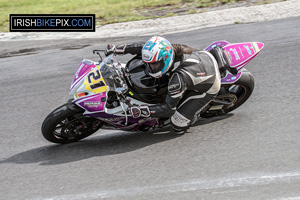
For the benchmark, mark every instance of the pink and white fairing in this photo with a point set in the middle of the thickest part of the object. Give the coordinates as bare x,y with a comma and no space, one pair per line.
83,69
238,55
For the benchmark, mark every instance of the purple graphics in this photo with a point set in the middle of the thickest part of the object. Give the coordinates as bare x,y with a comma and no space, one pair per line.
94,106
93,103
123,123
230,78
83,69
218,43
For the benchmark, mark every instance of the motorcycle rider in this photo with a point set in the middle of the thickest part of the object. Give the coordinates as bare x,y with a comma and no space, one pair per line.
194,79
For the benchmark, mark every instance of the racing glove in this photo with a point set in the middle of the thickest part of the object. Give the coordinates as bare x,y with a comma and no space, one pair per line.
140,111
111,48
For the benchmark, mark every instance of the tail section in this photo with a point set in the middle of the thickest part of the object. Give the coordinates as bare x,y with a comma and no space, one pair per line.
241,54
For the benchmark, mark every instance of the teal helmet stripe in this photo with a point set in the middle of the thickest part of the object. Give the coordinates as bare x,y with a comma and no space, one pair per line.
167,64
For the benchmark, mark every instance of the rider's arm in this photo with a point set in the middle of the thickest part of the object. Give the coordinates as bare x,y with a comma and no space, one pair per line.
134,48
176,90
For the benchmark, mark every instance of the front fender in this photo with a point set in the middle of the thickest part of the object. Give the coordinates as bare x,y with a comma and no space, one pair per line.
73,106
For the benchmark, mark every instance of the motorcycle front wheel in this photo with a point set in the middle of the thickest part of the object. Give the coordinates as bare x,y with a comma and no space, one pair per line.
67,124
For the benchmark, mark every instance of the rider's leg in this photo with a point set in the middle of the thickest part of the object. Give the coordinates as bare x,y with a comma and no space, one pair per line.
192,104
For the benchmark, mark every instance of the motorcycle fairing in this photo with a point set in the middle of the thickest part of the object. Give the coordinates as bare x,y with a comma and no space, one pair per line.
94,82
240,54
120,121
230,78
92,103
89,83
217,43
83,69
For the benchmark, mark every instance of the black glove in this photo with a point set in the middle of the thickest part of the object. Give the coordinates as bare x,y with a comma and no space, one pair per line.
111,48
140,111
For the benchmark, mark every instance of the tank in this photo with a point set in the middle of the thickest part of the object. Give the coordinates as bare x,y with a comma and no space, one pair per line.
142,86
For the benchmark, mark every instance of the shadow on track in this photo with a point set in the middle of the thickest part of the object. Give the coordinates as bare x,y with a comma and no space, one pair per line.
111,144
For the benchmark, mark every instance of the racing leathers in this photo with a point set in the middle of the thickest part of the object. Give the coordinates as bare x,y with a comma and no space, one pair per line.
194,81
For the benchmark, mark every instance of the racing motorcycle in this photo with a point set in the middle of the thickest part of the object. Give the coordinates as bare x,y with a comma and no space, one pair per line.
104,91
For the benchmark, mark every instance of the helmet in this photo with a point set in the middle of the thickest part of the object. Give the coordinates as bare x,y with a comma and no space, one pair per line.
158,54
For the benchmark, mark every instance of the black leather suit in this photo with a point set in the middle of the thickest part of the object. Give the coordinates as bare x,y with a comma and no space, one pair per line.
194,79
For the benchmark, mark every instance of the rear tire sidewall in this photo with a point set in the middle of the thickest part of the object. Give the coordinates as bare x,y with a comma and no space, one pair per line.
247,82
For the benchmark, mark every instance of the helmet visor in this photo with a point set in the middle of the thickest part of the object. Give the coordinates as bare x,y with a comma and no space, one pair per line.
156,66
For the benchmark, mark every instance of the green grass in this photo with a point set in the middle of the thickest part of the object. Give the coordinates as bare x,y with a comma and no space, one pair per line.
107,11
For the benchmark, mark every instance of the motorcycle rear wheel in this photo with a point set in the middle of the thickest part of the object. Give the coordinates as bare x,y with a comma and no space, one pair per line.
67,124
237,93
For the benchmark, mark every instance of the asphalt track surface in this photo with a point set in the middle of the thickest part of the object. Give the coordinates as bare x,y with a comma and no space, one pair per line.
252,153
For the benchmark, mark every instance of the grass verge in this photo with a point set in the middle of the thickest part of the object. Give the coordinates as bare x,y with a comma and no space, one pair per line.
107,11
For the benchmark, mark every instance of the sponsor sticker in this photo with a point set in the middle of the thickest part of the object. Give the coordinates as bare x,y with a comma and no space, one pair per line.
146,57
248,49
201,74
228,56
92,104
241,52
112,119
237,57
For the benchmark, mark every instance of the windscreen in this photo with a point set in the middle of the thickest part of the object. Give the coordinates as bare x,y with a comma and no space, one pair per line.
113,75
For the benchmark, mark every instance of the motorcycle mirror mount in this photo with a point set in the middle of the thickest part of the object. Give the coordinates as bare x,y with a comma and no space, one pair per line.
97,51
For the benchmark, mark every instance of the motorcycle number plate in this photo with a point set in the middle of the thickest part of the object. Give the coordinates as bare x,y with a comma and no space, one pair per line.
94,82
